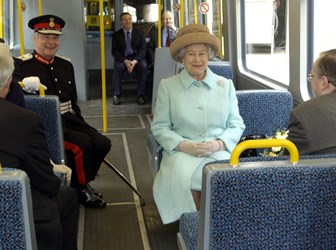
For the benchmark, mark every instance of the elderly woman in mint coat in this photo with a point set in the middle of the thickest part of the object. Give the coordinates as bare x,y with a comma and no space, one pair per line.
196,121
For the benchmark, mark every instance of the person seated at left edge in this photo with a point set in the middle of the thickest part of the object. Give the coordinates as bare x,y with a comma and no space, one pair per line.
14,94
23,146
85,147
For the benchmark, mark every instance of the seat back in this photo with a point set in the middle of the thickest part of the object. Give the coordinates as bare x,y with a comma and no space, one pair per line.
16,212
264,111
269,205
49,110
221,68
164,66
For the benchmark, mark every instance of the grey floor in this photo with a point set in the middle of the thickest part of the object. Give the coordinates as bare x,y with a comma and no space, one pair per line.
126,222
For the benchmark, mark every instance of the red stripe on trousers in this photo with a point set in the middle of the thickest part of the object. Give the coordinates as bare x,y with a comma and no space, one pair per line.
78,161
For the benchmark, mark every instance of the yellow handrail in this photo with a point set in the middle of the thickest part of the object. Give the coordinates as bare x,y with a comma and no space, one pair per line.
40,89
20,27
219,24
159,24
1,18
181,13
195,11
39,7
264,143
102,59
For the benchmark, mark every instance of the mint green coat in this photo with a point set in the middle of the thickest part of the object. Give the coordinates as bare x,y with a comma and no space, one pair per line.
190,110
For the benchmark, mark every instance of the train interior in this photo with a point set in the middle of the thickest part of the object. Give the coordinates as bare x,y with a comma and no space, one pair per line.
131,219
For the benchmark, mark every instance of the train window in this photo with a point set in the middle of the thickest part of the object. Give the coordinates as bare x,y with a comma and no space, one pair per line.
266,39
324,36
92,15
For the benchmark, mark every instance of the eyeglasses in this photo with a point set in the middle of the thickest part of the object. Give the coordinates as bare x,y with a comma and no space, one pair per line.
310,77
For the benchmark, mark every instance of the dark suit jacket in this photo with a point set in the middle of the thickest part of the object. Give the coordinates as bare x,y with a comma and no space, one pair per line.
119,45
153,43
23,146
16,95
312,125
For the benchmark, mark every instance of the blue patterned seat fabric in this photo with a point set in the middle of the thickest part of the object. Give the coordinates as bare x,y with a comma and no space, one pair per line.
274,208
48,109
264,111
221,68
188,229
11,219
16,218
268,208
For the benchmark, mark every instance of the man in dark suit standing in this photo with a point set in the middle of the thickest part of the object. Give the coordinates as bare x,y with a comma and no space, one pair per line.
312,123
129,51
23,146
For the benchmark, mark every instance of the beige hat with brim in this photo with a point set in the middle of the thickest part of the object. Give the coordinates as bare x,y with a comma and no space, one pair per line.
193,34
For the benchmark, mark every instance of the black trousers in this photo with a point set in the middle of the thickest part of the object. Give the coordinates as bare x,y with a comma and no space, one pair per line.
141,74
86,149
58,230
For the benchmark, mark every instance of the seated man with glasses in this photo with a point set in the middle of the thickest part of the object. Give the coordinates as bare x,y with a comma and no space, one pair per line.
312,123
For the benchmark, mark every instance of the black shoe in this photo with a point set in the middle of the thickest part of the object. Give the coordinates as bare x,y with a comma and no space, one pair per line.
93,191
91,201
116,100
141,100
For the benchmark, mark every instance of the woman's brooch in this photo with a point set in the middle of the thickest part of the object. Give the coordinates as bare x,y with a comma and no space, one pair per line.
220,83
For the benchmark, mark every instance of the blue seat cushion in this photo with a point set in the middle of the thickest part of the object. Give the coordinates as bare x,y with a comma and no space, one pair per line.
189,229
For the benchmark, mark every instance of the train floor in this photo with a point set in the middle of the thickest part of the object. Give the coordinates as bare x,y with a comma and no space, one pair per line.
126,222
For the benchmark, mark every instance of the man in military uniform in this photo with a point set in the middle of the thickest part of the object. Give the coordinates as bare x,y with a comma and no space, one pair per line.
85,147
23,146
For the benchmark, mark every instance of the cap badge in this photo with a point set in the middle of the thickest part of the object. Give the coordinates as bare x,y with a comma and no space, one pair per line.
51,22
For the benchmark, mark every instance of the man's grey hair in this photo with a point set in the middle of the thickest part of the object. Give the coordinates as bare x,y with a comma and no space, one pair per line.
6,64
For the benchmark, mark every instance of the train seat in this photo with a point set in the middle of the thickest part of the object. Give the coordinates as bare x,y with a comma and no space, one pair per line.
48,109
268,204
16,211
263,111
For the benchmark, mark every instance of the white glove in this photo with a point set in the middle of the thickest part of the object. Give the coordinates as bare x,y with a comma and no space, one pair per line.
31,84
199,149
58,168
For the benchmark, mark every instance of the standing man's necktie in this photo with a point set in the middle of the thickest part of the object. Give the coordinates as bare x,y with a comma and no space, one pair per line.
168,38
129,50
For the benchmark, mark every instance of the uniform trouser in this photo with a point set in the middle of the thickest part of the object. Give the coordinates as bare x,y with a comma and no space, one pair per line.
86,149
141,74
59,229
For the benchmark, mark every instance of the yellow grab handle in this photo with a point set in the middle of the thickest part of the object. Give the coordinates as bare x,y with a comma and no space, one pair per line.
264,143
40,90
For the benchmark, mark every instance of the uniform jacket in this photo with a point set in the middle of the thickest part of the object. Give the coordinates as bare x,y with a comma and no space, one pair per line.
312,125
23,146
119,45
189,110
58,76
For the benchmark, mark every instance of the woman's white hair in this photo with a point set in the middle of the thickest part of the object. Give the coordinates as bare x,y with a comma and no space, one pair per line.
6,64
